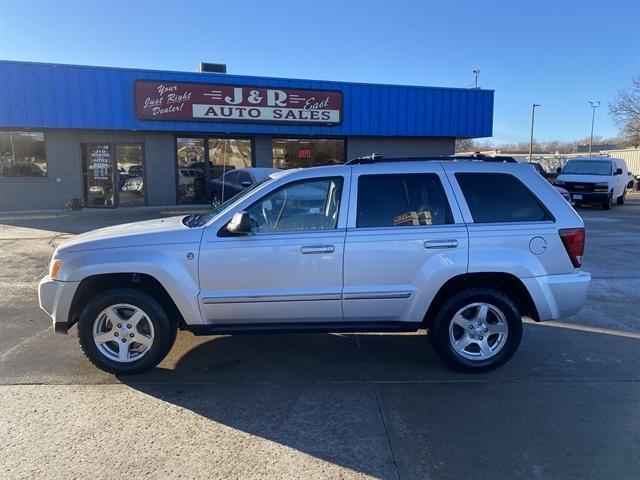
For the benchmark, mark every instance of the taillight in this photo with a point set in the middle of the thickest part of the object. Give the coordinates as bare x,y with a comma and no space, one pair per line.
573,239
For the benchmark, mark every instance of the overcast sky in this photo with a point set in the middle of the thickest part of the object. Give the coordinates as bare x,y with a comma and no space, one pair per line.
557,53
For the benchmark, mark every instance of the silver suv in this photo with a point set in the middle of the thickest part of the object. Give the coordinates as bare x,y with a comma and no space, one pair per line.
462,248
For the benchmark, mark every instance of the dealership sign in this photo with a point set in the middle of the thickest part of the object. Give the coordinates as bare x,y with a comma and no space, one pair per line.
236,103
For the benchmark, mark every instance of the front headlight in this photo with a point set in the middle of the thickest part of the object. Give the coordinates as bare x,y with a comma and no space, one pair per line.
54,268
601,187
559,183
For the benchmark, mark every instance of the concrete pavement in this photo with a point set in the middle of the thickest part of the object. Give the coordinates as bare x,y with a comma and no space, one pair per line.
323,406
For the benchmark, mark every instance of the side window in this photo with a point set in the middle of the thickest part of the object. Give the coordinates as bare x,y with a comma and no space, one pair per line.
231,177
401,200
244,177
299,206
500,197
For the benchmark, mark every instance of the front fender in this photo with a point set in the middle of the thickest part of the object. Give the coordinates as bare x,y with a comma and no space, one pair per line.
168,264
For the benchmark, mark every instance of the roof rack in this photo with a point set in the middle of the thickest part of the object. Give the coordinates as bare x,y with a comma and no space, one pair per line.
478,157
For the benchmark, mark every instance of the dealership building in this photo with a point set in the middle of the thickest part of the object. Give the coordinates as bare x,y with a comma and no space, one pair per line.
116,137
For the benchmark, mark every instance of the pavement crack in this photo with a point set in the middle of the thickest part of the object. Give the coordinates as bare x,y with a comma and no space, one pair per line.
4,355
386,431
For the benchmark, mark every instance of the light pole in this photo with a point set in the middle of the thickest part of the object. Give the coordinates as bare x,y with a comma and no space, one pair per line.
533,118
594,105
476,74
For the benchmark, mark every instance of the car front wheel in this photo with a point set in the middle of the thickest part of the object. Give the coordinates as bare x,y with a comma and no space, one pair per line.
476,330
125,331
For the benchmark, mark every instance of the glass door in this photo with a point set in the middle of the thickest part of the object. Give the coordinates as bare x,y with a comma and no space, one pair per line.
130,175
97,169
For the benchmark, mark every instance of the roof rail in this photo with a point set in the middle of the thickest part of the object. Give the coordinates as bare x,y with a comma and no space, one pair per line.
377,158
373,158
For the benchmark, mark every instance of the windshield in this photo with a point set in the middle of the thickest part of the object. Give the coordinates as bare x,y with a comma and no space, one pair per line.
200,220
587,167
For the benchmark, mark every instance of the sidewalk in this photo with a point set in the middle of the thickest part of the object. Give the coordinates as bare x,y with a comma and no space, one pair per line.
67,221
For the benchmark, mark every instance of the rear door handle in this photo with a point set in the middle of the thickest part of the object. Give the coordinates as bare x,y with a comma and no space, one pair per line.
317,249
440,243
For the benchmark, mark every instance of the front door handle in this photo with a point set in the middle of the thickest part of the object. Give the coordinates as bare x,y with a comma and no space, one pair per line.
317,249
440,243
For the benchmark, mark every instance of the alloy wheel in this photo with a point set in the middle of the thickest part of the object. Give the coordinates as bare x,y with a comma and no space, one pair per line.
123,333
478,331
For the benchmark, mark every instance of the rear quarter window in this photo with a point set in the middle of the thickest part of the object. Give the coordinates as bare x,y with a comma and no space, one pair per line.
500,197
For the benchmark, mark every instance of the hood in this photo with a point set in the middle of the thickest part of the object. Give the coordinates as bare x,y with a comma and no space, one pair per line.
149,232
564,177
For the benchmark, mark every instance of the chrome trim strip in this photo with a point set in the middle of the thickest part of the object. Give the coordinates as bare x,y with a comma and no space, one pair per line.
271,298
375,295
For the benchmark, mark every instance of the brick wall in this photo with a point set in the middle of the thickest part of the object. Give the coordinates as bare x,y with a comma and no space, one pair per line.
160,159
399,147
263,155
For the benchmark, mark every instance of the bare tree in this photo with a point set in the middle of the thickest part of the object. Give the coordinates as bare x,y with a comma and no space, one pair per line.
625,110
465,145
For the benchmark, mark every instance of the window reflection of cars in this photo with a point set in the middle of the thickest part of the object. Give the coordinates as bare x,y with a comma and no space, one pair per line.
234,182
24,170
135,171
190,183
134,185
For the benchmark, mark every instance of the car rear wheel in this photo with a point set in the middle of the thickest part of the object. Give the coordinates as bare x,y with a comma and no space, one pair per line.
125,331
477,330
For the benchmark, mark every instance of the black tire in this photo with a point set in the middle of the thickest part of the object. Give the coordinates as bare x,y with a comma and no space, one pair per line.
439,333
607,204
620,199
165,330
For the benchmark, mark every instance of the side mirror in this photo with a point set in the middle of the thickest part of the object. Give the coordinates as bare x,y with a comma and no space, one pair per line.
239,224
558,170
245,184
619,171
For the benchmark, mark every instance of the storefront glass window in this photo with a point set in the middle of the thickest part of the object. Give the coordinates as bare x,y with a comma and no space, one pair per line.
191,170
130,177
22,154
302,152
98,175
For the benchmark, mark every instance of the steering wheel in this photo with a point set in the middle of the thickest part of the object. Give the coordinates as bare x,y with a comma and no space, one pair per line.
266,212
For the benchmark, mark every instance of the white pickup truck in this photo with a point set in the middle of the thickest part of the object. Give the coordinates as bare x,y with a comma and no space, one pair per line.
461,248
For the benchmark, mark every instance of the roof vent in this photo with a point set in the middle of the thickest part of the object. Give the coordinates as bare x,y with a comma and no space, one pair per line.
212,67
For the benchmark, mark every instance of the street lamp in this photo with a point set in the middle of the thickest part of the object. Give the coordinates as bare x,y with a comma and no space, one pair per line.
594,105
533,118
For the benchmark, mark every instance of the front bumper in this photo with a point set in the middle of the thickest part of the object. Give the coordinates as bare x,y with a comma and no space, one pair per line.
579,197
55,298
558,296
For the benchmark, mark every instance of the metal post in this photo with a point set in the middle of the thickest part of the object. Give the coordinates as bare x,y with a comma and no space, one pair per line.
594,105
533,118
476,74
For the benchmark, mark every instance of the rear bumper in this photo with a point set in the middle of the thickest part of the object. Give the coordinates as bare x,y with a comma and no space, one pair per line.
558,296
55,298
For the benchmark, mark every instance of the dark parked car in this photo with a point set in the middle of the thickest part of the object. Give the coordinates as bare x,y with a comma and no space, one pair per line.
550,176
235,181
